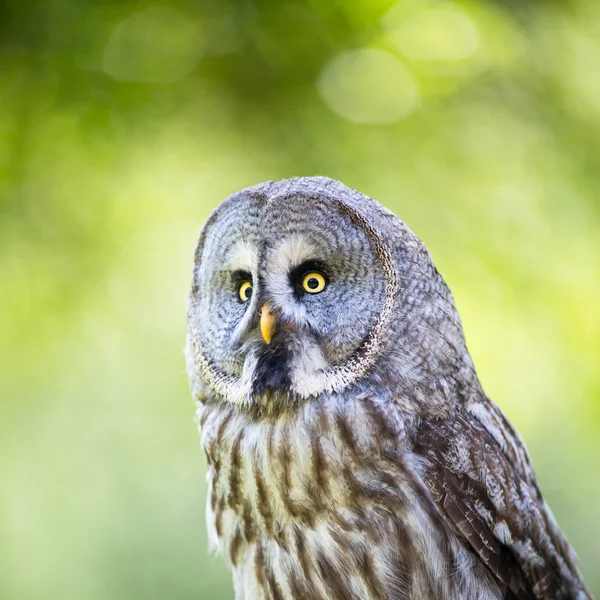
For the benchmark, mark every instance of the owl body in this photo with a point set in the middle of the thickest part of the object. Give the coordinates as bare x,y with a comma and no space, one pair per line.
315,506
352,451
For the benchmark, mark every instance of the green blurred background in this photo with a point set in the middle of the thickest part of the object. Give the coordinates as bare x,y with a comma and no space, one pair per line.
122,124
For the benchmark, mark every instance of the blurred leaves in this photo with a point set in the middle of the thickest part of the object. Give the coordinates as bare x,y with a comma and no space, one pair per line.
122,124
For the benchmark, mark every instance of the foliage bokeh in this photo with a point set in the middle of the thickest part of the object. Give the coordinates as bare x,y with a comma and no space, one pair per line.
122,124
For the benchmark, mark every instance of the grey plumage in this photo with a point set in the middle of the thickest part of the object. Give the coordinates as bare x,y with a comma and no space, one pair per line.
356,455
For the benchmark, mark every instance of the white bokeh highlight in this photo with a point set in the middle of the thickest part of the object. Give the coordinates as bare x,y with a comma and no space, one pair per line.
156,45
368,86
442,31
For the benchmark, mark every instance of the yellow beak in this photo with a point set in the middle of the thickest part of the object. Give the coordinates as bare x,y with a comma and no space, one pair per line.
267,323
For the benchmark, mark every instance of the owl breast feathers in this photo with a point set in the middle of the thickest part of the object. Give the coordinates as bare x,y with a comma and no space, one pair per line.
352,451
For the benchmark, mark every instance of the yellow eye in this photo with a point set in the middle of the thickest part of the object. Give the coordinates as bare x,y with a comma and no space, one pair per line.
313,282
245,291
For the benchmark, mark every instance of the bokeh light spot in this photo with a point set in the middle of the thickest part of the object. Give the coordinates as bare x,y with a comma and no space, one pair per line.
368,86
441,32
156,45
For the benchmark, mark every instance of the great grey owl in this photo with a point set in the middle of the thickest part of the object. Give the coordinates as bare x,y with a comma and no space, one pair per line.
352,451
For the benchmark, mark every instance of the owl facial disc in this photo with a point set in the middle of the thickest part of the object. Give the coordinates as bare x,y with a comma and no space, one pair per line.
293,293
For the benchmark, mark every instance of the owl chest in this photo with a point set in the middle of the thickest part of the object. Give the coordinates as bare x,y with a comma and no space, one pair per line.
321,507
295,523
327,461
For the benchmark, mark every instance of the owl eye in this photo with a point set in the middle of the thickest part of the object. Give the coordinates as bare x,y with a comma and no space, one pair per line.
313,282
245,291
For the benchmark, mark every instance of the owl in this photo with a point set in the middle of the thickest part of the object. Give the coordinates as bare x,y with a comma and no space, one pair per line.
352,453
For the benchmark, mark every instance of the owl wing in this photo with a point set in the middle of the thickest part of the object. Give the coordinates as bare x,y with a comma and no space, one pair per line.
480,476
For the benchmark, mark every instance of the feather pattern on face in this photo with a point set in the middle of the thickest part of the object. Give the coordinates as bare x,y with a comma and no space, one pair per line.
352,451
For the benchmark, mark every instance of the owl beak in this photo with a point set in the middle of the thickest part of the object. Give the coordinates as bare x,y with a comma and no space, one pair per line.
267,322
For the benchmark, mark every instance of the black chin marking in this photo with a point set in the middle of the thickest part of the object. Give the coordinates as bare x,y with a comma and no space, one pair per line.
272,372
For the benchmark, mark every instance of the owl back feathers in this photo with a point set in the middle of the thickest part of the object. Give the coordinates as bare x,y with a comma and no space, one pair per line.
493,504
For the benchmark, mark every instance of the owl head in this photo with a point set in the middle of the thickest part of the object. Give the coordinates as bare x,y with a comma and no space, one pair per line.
305,287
